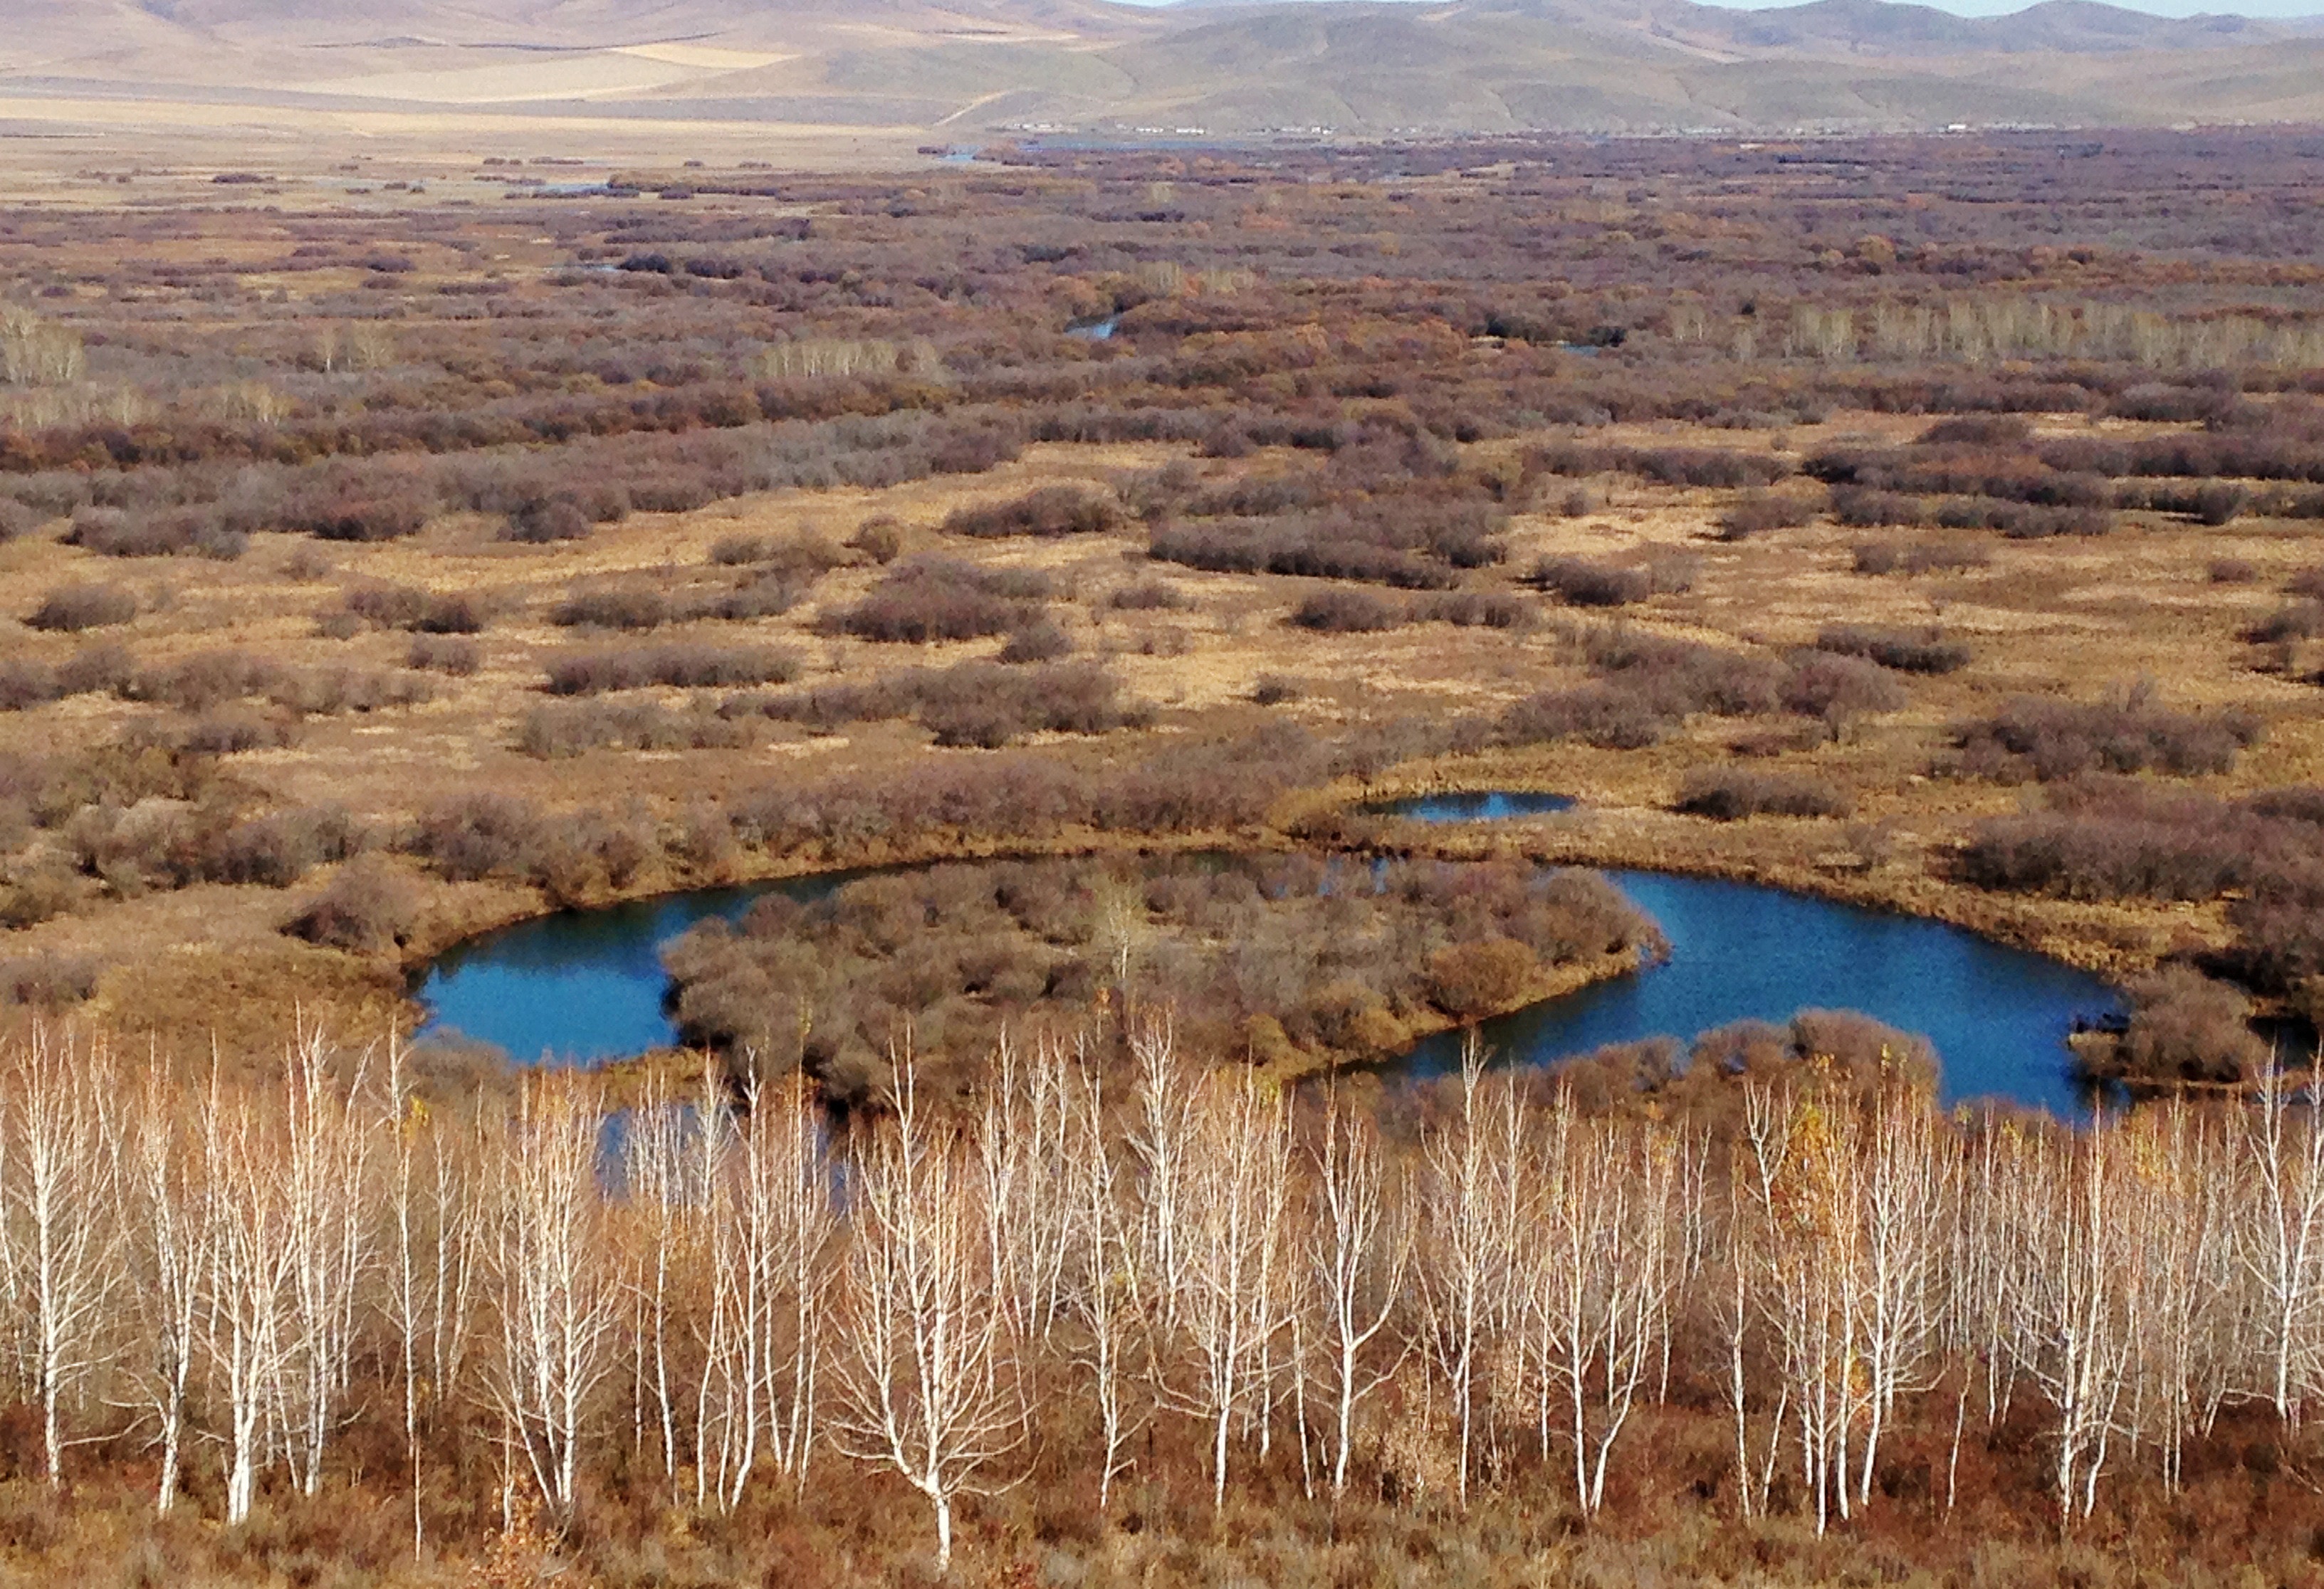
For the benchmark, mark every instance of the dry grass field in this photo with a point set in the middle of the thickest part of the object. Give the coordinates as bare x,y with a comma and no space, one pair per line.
2058,617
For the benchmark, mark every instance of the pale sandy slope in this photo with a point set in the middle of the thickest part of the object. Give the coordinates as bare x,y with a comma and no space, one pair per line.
965,67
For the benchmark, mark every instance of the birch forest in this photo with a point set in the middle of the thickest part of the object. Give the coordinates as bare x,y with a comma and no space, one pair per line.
1118,1292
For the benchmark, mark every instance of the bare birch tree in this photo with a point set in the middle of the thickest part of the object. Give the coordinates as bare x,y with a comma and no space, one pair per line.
170,1231
558,1295
926,1385
60,1178
1358,1253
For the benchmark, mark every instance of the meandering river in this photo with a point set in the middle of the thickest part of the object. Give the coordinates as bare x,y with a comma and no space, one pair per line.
586,986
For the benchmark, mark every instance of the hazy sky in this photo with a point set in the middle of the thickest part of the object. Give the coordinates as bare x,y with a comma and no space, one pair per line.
2000,7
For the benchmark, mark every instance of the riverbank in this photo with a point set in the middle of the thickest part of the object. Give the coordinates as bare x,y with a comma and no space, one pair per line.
1890,867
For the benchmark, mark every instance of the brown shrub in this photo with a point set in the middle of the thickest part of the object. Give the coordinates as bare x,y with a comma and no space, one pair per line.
1149,595
1480,977
1760,512
48,982
1840,689
1042,640
71,608
368,909
1473,610
1051,510
628,608
1729,793
1584,583
2300,620
274,851
684,665
545,521
2186,1027
879,538
1608,716
166,532
1682,677
469,837
548,732
2047,740
443,654
1922,650
419,611
1341,611
1920,557
931,599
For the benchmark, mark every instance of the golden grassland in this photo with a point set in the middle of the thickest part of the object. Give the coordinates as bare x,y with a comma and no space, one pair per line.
2062,616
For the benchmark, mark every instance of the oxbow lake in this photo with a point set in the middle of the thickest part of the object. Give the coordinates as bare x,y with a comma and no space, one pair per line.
580,987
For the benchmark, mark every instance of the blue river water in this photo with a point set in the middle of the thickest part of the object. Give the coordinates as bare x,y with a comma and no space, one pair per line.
1491,806
588,986
1998,1017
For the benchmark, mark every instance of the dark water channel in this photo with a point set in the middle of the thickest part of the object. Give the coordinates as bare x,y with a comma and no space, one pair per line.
582,985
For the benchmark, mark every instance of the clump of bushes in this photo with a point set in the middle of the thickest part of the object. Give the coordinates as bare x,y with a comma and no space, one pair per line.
1877,557
26,682
2185,1026
768,593
1051,510
1925,650
545,521
416,610
619,607
1149,595
368,909
72,608
474,836
445,654
932,599
1264,954
18,519
2045,741
1719,468
1044,640
1839,690
984,705
669,666
549,732
1472,610
1597,714
879,538
164,532
2300,620
1760,512
1729,793
1343,611
1581,581
1682,677
48,981
808,553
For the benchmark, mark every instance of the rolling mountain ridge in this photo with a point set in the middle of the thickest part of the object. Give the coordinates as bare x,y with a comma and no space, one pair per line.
965,69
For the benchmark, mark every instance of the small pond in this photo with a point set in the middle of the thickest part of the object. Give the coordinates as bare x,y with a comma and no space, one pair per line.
1492,806
584,985
1094,330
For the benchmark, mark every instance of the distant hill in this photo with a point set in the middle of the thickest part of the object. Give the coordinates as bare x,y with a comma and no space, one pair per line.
964,70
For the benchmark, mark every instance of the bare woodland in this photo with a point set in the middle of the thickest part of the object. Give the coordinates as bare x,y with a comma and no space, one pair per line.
719,1291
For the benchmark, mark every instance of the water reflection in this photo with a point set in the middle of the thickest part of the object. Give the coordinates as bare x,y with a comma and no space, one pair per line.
586,986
